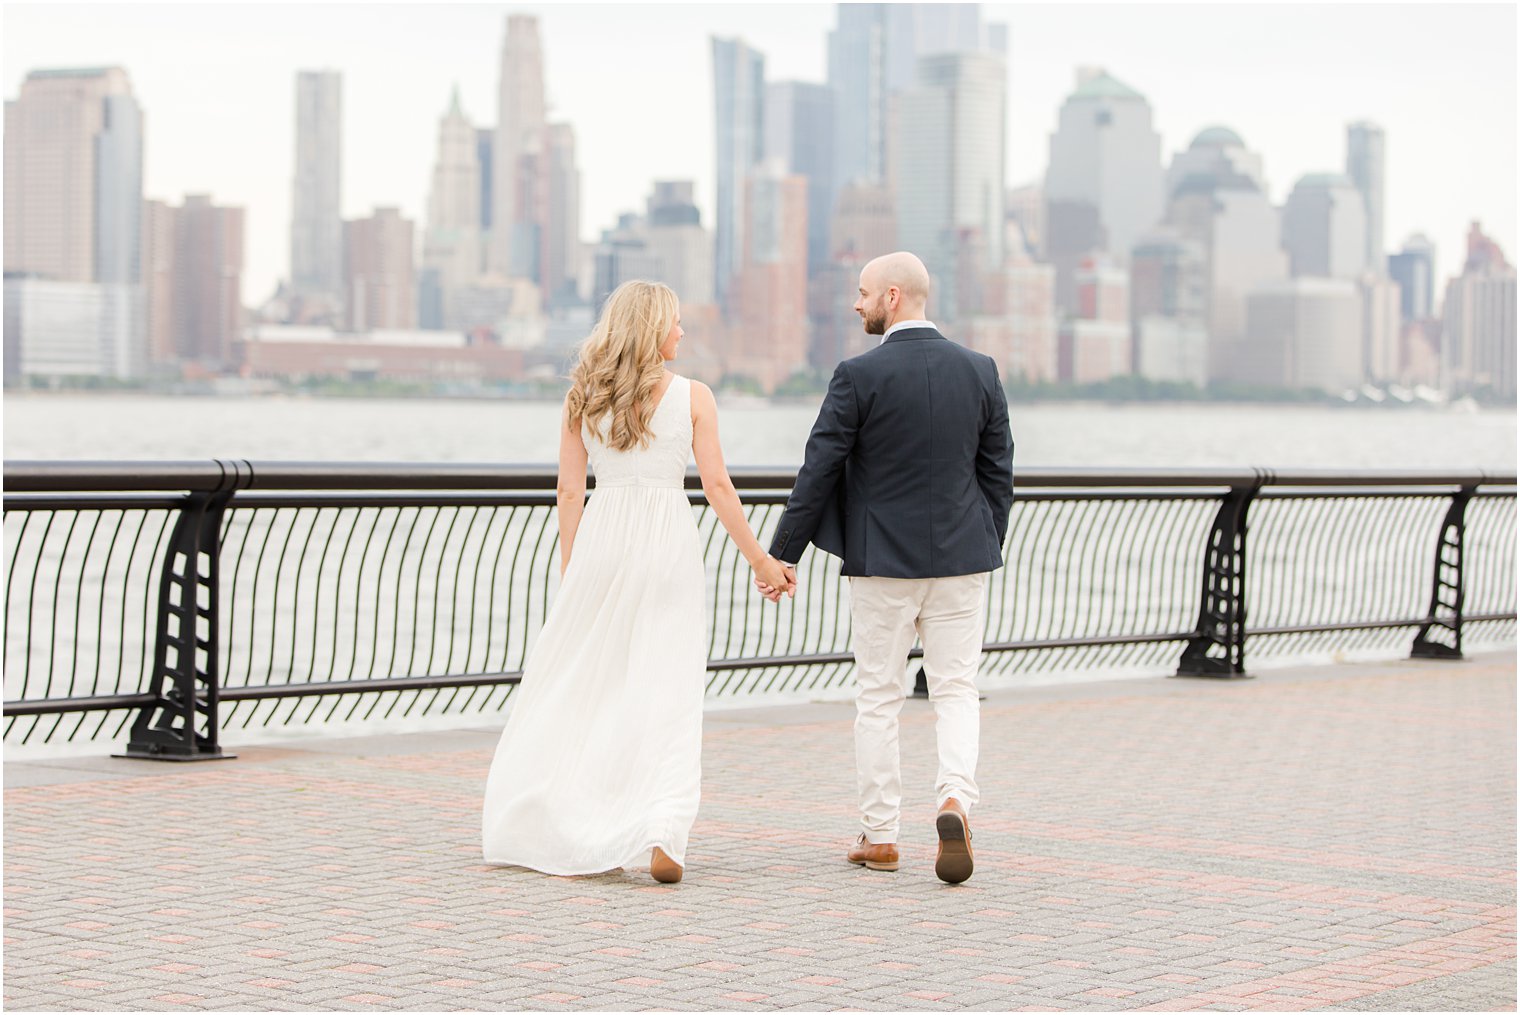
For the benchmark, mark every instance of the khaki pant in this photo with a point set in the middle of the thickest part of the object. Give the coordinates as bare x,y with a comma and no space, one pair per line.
948,615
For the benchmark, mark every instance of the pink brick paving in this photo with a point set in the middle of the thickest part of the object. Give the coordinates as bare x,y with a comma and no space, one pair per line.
1340,838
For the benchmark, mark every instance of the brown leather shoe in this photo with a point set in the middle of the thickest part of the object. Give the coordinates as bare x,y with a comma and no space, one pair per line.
876,856
953,863
662,868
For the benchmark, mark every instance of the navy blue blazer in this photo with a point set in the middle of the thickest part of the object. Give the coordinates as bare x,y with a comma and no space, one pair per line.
908,472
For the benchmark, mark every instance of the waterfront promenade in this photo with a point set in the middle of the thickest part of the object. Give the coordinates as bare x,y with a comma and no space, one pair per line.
1317,838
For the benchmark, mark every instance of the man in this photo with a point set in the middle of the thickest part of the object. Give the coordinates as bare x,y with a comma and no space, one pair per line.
908,476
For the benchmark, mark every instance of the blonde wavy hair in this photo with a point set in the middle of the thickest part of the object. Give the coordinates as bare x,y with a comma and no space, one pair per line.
619,365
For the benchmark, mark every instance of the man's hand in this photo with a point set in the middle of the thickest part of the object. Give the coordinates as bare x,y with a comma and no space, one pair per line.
773,577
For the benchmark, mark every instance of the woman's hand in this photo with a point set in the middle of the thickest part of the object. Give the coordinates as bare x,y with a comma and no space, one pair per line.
772,578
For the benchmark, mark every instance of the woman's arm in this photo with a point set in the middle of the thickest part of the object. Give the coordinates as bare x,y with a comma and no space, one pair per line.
721,494
570,491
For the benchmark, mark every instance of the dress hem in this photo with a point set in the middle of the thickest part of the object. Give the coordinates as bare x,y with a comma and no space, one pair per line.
639,858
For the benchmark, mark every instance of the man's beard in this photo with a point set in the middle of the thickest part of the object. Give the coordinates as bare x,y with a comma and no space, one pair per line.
876,321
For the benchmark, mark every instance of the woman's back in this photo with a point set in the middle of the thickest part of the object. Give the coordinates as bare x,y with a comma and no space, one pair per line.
662,464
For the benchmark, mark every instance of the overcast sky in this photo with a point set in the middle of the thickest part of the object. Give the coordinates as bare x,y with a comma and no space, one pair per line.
217,85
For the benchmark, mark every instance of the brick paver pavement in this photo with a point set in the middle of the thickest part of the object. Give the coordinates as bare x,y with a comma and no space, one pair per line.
1330,838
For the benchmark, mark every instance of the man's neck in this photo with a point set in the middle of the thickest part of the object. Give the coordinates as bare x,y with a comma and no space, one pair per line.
908,321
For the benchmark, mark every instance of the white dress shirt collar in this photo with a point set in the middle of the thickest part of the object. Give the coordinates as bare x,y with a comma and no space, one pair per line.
906,324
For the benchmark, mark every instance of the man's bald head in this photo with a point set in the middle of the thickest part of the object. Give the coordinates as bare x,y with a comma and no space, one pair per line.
903,270
893,287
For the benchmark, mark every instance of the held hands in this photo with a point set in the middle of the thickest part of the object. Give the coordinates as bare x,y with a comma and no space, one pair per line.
773,577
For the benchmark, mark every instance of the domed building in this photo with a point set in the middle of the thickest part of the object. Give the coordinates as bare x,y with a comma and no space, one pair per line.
1217,154
1218,137
1103,184
1217,199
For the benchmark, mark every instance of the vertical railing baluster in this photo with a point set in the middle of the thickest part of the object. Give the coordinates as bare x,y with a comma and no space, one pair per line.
185,688
1446,587
1222,608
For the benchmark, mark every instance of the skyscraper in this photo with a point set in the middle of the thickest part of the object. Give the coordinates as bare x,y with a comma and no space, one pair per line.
534,228
193,276
160,223
316,225
1017,327
210,275
519,132
1414,269
857,76
451,243
485,145
1324,227
1217,198
1302,333
949,182
73,225
73,177
914,31
772,336
1381,359
873,54
684,246
379,272
623,255
1364,164
739,109
560,215
118,192
1478,345
1169,307
1243,241
863,226
1096,342
799,131
1103,187
1024,208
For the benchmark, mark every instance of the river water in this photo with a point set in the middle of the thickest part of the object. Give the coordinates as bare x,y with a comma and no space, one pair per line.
754,433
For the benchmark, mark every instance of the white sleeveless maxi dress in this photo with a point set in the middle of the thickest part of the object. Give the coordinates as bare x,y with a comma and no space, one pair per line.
600,759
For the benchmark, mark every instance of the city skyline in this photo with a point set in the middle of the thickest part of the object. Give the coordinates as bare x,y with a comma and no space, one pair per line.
389,163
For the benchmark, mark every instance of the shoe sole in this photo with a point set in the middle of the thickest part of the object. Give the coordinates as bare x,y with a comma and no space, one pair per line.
875,865
954,864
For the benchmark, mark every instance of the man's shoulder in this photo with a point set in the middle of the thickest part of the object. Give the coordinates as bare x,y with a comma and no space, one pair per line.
981,359
862,360
950,347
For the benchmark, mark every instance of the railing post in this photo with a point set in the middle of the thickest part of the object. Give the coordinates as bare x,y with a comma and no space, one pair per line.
186,681
1218,646
1446,591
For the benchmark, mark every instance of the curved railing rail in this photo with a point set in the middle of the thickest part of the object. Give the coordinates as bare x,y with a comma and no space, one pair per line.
175,600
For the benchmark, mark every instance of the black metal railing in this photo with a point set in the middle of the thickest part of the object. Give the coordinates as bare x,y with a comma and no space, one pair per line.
172,601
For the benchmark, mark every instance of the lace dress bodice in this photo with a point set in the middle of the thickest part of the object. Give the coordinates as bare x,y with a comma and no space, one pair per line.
663,462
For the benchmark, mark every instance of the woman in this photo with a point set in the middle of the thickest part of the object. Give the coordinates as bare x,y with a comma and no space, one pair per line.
600,760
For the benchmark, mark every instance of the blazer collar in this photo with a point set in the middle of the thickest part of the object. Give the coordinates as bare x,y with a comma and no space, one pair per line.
912,335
